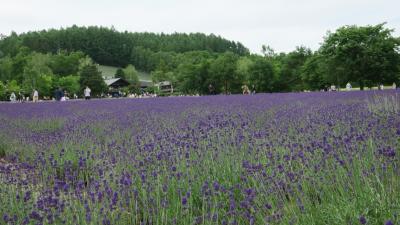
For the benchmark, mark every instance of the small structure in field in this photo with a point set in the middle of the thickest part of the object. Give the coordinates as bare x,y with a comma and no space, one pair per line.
165,87
116,83
114,86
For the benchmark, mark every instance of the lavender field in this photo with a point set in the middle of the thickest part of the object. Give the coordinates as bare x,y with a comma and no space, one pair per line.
301,158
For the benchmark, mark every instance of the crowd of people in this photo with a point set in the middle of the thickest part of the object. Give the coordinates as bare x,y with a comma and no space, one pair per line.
62,95
349,87
59,95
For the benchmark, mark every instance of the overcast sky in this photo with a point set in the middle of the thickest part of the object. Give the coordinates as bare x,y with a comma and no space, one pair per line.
282,24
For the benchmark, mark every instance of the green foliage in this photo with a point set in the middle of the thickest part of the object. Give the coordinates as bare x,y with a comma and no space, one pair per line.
10,45
313,73
190,77
243,67
131,75
119,74
261,75
3,91
6,68
110,47
64,64
37,73
268,51
70,84
368,55
13,86
159,76
223,73
361,55
45,85
290,73
91,77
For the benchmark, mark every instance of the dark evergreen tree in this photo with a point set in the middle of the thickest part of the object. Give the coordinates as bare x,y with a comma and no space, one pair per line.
120,73
91,77
261,75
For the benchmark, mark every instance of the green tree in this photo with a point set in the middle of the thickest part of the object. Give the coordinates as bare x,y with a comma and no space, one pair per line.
159,76
190,78
261,75
90,76
37,73
70,84
110,47
119,74
3,91
290,71
19,63
368,55
45,85
223,73
6,68
64,64
131,74
267,51
243,66
13,86
314,73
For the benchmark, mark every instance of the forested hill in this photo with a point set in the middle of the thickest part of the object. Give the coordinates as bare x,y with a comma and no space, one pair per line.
110,47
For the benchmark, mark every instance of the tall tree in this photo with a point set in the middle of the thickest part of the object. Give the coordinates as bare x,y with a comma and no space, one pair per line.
37,73
6,68
262,75
314,73
243,66
368,55
119,74
130,73
290,71
64,64
70,84
3,91
91,77
223,72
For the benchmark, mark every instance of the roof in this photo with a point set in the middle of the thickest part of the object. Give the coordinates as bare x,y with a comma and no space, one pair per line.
164,83
111,81
117,82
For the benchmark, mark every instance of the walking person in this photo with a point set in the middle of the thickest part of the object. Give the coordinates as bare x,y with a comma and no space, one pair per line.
35,96
20,97
86,92
245,89
253,89
58,94
13,98
211,89
348,86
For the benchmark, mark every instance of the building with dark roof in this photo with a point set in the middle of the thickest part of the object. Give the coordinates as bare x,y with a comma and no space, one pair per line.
117,83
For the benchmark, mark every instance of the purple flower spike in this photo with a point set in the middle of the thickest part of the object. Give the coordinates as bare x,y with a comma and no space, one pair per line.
363,220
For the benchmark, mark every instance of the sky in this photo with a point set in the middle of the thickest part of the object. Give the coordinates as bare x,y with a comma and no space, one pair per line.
281,24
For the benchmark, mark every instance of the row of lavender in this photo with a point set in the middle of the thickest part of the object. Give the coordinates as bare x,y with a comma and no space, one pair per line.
305,158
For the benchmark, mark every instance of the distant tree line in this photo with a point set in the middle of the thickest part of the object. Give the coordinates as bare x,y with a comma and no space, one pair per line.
362,55
109,47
